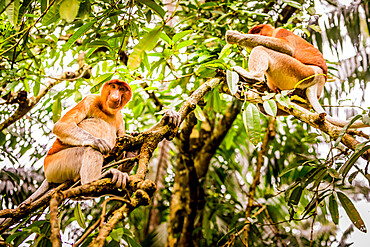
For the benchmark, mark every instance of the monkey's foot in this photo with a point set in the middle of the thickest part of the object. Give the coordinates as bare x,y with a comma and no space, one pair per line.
118,177
248,76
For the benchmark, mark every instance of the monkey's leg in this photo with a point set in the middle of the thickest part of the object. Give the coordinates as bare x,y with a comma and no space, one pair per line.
64,165
92,163
91,166
283,71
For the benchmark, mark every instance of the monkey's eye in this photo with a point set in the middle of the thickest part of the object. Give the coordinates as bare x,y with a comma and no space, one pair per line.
123,89
113,86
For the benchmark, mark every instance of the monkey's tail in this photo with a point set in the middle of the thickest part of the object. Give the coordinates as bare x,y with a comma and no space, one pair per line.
311,93
44,187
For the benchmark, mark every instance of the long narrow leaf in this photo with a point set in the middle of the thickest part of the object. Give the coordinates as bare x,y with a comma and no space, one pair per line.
232,79
252,123
351,211
100,80
78,34
352,160
154,6
12,11
148,42
180,35
345,128
79,216
333,209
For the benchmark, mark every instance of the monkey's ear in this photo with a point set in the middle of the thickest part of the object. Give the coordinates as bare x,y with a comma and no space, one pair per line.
262,29
256,29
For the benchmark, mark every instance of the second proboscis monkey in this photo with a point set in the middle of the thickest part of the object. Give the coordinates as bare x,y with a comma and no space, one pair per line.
288,61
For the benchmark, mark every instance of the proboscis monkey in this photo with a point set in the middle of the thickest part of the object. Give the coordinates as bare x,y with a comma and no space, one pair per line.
288,61
85,133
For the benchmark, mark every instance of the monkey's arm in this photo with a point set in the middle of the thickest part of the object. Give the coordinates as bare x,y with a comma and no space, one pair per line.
68,132
253,40
121,128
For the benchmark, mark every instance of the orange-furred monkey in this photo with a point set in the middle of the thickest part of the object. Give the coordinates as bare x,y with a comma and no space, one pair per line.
288,61
84,134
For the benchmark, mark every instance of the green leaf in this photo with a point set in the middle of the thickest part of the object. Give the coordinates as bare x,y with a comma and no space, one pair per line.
352,177
98,43
68,9
184,44
78,96
148,42
232,79
351,211
181,35
12,11
293,4
56,109
154,6
295,196
199,114
315,201
352,160
2,138
85,10
217,100
345,128
333,209
26,85
116,234
51,16
226,50
289,169
283,100
270,107
131,242
100,80
252,123
78,34
79,216
165,37
333,173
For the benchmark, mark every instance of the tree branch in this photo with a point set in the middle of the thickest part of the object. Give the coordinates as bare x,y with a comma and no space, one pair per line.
26,105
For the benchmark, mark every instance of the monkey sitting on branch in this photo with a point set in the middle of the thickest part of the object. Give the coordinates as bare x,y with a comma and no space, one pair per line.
85,134
288,61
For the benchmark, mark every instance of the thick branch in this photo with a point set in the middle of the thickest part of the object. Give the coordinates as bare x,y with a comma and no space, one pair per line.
311,118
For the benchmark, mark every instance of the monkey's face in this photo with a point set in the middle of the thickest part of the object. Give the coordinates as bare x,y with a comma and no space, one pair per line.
115,95
262,29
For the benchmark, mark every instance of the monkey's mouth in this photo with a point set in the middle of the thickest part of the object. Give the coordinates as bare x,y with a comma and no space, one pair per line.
114,105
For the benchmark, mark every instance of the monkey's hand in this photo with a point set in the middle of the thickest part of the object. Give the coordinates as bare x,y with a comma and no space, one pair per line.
100,144
249,77
118,177
172,118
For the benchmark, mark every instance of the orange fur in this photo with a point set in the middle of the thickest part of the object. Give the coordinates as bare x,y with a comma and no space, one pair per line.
304,52
94,122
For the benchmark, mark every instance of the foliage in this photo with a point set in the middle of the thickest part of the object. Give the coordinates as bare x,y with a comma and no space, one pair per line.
165,55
